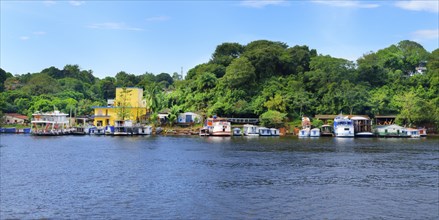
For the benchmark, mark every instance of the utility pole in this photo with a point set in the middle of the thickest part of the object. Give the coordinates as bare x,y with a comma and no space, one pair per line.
181,76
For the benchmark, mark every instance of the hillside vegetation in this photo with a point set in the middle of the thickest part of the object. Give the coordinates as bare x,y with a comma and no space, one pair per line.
261,79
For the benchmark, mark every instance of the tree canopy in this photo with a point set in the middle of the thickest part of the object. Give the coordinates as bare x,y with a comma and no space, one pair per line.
266,79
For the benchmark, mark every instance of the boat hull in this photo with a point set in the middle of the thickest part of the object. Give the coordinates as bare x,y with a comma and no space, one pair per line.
364,134
221,133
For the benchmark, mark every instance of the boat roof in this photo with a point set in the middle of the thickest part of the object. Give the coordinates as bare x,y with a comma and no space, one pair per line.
392,125
54,113
359,117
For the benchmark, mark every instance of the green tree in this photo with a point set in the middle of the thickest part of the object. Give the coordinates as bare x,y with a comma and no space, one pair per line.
124,79
411,108
166,78
276,103
370,71
107,87
3,76
265,56
123,104
152,95
226,52
41,104
41,83
54,72
240,74
272,119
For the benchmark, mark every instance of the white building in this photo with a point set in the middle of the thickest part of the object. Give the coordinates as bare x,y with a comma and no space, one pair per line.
189,117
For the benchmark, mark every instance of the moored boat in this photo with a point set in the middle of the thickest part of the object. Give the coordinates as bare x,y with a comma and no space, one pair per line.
263,131
219,127
315,132
390,131
144,130
362,126
411,132
422,132
343,126
122,128
306,127
97,130
274,132
237,132
327,130
204,131
51,123
250,130
304,132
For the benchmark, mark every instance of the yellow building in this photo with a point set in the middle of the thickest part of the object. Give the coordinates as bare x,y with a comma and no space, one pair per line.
127,105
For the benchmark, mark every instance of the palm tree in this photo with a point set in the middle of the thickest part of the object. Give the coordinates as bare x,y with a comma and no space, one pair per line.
151,94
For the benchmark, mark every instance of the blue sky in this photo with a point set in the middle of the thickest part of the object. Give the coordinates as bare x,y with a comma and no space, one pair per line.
165,36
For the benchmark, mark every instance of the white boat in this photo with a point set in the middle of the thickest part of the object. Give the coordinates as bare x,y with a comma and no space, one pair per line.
97,130
219,127
411,132
306,127
315,132
237,132
274,132
51,123
122,128
304,132
263,131
343,126
144,130
250,130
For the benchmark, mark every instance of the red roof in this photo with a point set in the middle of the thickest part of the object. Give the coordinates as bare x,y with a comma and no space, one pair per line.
16,115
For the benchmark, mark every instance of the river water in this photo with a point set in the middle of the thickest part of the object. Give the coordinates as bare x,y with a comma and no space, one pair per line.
182,177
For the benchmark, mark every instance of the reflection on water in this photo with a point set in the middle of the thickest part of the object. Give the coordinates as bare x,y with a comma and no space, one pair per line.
75,177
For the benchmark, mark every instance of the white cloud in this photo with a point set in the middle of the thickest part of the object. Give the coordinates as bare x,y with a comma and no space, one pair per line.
24,38
262,3
348,4
76,3
426,34
113,26
158,18
430,6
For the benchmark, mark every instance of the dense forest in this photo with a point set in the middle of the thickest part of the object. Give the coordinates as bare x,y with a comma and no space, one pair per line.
264,79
